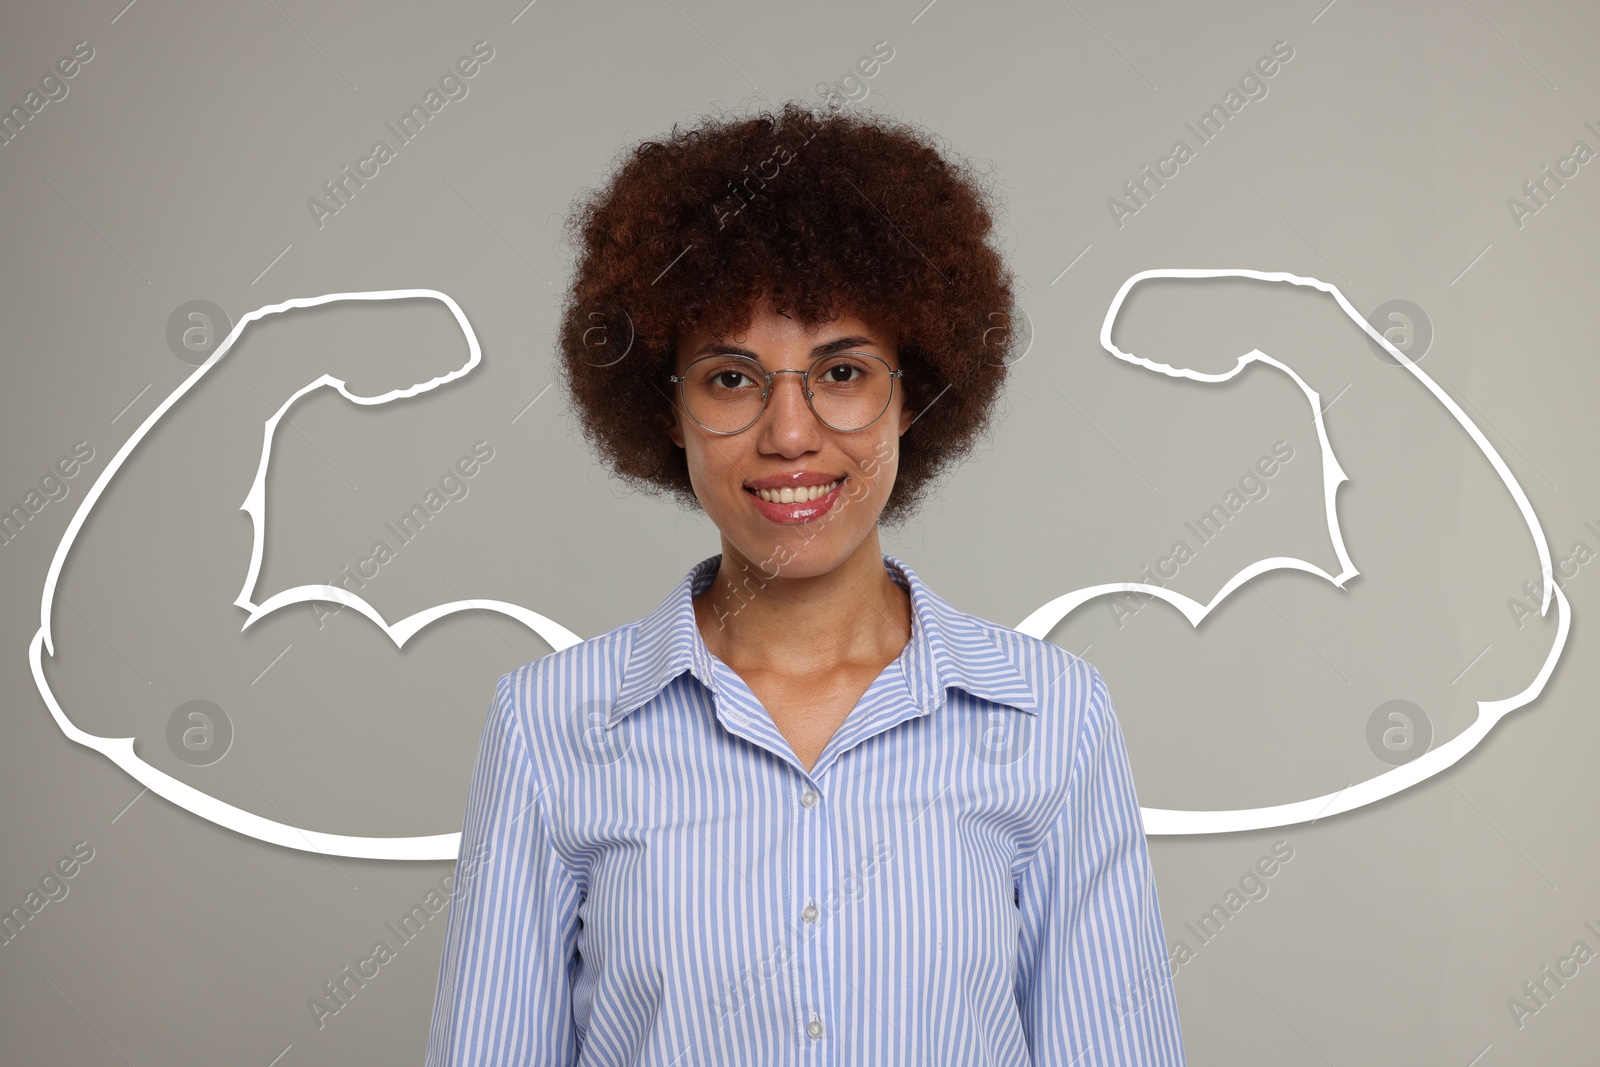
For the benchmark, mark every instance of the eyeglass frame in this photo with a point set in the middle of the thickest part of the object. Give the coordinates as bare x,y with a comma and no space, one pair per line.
766,391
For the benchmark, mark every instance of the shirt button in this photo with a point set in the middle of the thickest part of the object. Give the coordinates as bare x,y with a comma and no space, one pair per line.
814,1027
809,798
809,913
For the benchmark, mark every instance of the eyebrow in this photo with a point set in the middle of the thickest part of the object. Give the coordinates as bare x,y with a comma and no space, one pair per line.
838,345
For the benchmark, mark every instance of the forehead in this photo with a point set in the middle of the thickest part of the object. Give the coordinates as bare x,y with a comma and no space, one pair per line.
770,330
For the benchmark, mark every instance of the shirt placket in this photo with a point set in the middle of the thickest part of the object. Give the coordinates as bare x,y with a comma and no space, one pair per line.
814,941
809,953
816,892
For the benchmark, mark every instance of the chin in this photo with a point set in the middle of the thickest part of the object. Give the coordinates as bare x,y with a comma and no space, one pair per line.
793,556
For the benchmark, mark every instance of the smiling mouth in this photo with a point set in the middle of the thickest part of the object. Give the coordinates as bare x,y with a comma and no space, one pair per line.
802,495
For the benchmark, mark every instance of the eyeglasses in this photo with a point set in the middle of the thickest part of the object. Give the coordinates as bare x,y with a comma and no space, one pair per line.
727,393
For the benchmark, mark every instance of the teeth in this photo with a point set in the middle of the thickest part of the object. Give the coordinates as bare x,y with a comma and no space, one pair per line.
792,496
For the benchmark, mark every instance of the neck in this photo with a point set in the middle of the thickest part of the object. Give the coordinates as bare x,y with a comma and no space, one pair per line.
794,625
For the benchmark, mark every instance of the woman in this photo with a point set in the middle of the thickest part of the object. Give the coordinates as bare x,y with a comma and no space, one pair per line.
805,811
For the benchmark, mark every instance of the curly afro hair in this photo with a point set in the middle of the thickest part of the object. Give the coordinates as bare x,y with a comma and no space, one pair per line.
819,210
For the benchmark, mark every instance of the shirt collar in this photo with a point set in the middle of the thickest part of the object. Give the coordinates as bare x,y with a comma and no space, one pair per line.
948,648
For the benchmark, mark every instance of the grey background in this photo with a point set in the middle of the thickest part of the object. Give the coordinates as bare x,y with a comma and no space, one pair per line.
178,167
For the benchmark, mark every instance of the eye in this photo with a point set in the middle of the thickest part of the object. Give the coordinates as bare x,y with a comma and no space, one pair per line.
845,369
725,376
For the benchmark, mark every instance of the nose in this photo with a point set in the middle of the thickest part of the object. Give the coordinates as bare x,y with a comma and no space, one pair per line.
789,426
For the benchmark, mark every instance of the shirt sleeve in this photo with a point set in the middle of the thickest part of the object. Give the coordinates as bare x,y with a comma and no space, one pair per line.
505,981
1093,982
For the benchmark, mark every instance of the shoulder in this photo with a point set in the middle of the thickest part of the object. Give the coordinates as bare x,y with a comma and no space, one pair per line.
577,679
1063,682
1067,712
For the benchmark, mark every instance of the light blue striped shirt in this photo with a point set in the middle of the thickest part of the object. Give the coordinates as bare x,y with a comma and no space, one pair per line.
649,876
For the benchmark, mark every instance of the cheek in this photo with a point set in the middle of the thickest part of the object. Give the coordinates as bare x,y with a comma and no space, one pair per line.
879,462
712,464
702,468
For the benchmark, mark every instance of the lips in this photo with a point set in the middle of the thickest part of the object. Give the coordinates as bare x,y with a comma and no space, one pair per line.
804,509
